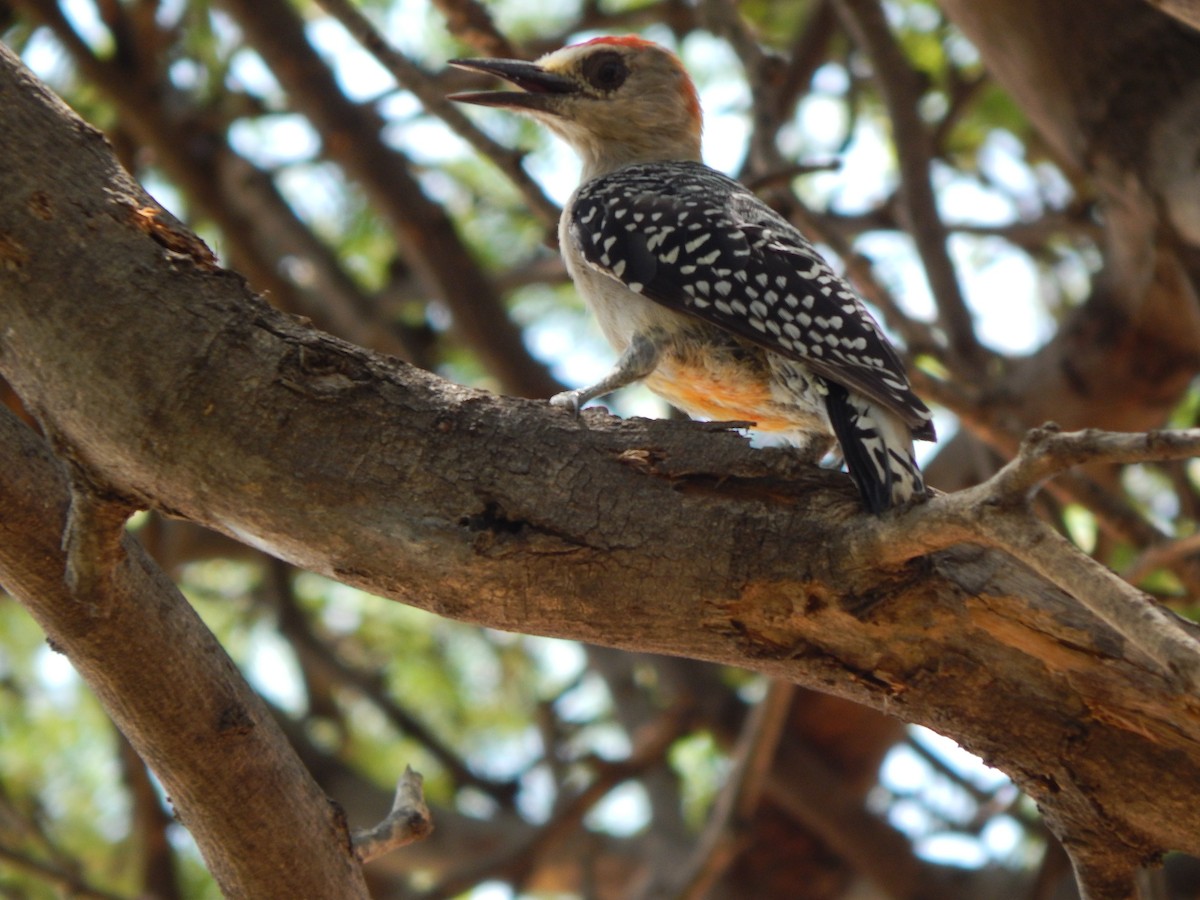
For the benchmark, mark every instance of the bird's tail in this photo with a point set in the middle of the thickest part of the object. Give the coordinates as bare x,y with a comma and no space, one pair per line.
878,448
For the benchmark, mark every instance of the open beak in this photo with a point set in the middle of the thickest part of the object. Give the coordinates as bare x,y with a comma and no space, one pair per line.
538,86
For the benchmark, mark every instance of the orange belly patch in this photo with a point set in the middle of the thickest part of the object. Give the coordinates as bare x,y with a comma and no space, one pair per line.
730,393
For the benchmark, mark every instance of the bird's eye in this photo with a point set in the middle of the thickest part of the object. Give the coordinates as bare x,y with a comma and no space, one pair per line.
605,71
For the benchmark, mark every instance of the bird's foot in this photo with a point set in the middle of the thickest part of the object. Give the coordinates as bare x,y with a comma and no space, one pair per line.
569,400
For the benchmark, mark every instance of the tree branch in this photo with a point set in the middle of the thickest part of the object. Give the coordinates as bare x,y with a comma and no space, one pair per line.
202,729
517,864
68,882
996,514
313,652
1047,452
258,225
1124,358
157,864
806,787
408,821
471,23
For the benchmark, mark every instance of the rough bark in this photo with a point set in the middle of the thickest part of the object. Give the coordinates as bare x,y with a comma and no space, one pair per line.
168,384
231,776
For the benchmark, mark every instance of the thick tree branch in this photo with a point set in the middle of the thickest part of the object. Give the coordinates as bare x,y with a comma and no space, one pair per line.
230,774
997,514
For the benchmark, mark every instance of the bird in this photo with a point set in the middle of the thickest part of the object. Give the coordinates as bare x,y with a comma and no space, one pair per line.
710,297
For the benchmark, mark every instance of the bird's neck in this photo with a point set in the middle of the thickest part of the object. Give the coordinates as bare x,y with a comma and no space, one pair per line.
599,159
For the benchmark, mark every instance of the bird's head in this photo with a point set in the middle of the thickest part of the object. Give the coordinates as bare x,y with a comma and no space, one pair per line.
616,100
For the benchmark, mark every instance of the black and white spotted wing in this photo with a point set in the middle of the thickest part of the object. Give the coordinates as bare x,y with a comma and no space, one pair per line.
692,239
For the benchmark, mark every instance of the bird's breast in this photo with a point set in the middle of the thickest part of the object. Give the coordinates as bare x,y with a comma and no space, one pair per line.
620,312
726,380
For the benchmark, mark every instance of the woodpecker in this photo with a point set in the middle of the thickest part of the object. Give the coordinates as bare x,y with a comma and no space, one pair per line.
708,295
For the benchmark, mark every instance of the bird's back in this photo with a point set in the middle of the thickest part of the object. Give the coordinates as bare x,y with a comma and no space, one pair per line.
698,243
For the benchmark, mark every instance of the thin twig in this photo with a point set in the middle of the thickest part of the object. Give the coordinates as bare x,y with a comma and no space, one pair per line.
805,787
242,199
774,85
316,652
1030,235
784,175
918,337
1114,515
408,822
762,71
944,769
723,19
1047,451
427,236
962,92
809,51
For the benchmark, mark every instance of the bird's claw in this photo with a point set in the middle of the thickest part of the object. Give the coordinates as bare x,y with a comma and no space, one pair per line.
568,400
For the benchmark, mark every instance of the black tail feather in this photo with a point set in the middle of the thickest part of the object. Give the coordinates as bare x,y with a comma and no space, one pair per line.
874,481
